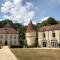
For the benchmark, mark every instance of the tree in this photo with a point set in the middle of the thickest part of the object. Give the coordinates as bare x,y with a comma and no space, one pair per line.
22,30
6,21
49,21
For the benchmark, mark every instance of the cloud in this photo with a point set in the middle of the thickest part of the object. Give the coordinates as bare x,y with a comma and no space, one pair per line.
6,7
34,22
16,11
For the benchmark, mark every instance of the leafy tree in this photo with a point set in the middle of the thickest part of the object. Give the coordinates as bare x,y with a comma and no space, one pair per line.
6,21
49,21
21,30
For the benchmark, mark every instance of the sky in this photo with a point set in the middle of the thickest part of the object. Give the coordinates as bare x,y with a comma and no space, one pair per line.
22,11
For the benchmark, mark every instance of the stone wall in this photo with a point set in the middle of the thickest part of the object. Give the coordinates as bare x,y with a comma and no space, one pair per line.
48,37
11,39
31,38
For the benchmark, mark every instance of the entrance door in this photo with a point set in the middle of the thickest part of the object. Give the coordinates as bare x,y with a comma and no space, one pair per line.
44,43
5,42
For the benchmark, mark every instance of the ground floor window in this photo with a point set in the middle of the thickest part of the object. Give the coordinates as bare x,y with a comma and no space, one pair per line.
54,43
10,42
0,42
44,43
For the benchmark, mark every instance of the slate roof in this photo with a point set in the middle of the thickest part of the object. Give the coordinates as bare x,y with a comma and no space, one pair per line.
51,27
7,30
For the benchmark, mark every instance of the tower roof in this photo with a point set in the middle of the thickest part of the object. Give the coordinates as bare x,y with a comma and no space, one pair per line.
30,27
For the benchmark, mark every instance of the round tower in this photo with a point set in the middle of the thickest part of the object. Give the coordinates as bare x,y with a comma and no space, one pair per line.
30,35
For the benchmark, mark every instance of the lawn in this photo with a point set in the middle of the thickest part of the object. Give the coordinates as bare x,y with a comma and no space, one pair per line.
36,54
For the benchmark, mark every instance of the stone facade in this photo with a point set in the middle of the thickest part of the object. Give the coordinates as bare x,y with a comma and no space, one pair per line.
9,36
30,35
49,36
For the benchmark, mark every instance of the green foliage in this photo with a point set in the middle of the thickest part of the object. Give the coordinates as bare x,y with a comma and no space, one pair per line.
6,21
49,21
22,31
35,27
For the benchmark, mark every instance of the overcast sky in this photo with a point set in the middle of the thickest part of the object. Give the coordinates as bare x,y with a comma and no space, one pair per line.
22,11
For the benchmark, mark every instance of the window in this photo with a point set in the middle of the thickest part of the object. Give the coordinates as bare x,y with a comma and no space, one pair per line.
11,42
53,34
0,42
43,35
10,36
44,43
15,37
1,36
14,42
54,43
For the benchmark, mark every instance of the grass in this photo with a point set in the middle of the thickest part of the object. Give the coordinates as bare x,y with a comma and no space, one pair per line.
36,54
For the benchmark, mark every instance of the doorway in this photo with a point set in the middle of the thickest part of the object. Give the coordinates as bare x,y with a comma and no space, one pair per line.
44,43
5,42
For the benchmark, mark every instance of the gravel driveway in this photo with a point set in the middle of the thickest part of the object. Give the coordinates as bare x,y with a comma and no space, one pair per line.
6,54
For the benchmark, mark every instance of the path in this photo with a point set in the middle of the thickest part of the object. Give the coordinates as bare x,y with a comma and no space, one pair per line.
6,54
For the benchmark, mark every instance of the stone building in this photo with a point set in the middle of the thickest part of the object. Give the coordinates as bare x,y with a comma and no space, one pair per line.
9,36
49,36
30,35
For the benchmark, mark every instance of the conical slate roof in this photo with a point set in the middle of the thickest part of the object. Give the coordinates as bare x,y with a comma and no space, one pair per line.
30,27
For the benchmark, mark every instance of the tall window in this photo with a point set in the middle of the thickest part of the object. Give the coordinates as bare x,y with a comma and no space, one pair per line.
10,36
1,36
14,42
54,43
43,35
0,42
44,43
53,34
15,37
11,42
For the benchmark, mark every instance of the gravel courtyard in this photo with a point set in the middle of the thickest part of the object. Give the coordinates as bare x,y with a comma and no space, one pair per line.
6,54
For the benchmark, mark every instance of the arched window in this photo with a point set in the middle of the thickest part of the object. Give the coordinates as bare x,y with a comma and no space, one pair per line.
53,34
